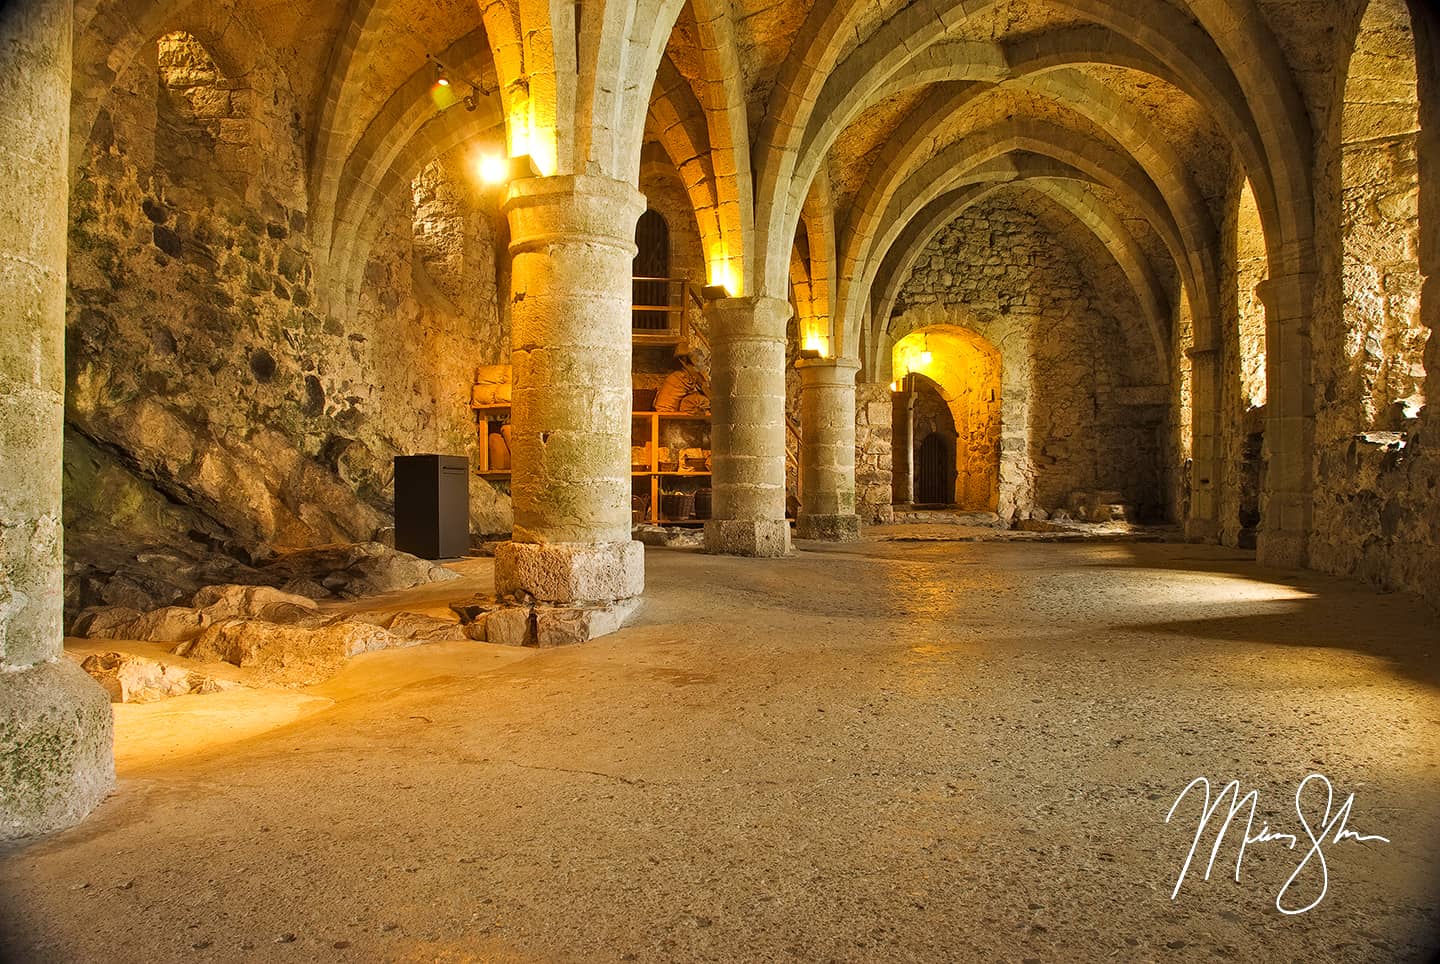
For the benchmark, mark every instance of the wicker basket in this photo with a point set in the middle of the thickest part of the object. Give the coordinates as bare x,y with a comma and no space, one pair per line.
677,506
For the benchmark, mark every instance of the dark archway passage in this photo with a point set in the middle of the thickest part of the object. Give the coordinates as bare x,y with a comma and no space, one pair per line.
935,471
651,272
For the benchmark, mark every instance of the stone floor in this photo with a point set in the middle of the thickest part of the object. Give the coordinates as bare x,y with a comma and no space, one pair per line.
918,751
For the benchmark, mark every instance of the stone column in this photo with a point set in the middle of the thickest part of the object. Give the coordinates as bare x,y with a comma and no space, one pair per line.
572,240
55,723
827,450
747,375
903,435
1203,523
1285,514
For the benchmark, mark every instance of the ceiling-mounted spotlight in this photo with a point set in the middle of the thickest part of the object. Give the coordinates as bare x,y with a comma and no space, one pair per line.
442,79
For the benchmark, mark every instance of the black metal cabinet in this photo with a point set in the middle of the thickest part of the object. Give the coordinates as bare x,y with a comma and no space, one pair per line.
432,505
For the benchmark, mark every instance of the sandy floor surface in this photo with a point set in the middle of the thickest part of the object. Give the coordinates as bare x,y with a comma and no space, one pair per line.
890,751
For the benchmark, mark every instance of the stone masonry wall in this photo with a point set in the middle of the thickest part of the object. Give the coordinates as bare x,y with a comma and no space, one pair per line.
1376,357
1069,422
211,403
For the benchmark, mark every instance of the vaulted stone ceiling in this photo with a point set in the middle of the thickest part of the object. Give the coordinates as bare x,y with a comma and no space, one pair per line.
1131,87
1130,113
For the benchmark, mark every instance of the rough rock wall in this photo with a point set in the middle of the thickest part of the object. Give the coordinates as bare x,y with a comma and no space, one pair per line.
1376,360
1182,417
1070,421
429,313
202,371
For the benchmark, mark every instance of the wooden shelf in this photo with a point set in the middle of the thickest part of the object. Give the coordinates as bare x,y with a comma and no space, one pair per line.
649,423
491,416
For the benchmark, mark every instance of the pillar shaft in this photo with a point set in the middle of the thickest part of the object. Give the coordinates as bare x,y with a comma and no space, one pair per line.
55,758
827,450
747,374
903,432
1285,514
572,244
1203,523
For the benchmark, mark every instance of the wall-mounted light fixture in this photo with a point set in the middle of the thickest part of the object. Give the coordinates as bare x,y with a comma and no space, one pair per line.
714,292
496,169
523,166
443,80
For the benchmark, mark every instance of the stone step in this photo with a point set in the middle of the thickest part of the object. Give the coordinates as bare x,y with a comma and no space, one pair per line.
952,517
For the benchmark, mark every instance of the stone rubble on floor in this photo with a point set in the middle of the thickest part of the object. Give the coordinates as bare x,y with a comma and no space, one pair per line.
131,678
512,622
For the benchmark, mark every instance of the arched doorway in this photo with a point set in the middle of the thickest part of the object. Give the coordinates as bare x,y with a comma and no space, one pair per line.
1249,388
964,370
650,273
935,470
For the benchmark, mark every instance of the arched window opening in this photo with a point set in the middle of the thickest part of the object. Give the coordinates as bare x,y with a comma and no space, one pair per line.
1251,268
651,295
1384,338
203,117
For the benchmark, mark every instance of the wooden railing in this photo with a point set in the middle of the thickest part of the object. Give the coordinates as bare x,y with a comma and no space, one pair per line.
661,309
671,323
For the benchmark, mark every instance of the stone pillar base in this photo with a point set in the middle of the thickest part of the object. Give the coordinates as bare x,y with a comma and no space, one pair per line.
570,572
762,538
55,748
828,528
1282,550
528,624
1202,530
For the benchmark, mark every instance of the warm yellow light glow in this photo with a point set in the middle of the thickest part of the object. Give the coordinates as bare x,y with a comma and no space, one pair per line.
443,81
492,169
720,275
812,342
519,129
926,358
442,96
895,386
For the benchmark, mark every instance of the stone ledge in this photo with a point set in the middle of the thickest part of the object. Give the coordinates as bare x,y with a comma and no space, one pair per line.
568,572
764,539
56,763
828,528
